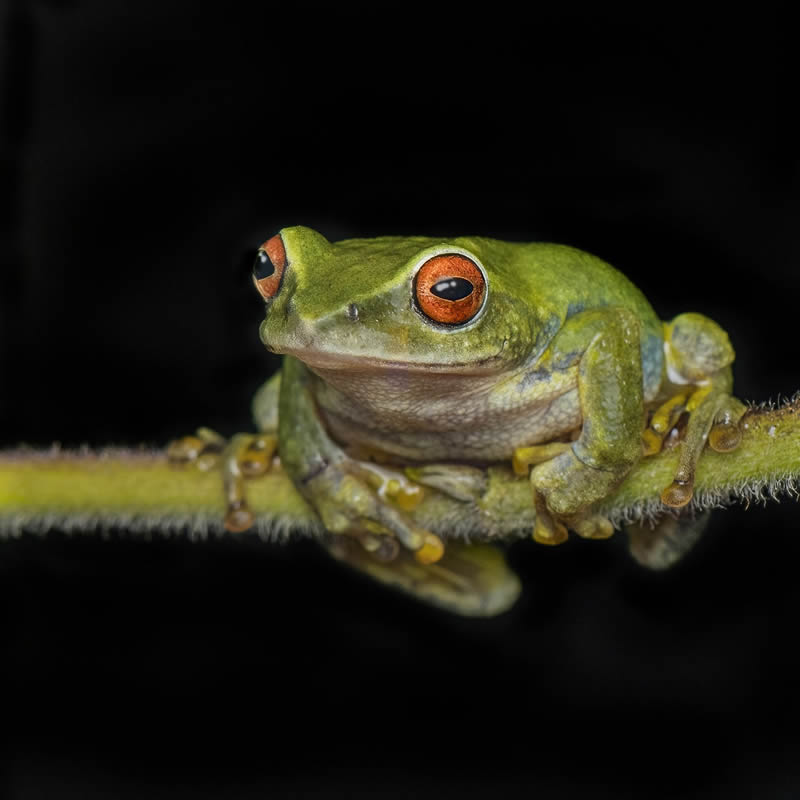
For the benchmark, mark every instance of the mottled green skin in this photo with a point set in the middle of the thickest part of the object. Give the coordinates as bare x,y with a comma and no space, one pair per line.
563,342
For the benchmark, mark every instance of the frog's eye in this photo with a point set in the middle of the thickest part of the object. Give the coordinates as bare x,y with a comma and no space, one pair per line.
269,266
449,289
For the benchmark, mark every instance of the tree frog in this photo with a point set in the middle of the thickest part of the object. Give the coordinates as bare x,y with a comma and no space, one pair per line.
435,357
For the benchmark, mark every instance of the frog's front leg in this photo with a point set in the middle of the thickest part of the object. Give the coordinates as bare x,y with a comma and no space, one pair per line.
603,346
354,498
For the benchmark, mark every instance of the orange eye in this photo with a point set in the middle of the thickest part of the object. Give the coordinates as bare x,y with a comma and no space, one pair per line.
269,266
449,289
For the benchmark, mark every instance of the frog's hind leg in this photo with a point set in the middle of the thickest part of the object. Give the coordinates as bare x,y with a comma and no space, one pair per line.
662,544
698,359
469,579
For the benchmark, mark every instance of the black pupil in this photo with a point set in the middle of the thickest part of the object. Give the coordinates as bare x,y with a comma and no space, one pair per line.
452,288
262,266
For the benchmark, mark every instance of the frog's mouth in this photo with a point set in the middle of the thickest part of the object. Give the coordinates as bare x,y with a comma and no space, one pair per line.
356,362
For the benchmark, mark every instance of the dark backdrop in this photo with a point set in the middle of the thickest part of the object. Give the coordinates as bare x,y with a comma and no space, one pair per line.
147,149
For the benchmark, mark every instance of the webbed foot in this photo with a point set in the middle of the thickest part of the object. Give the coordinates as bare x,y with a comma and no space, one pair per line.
563,489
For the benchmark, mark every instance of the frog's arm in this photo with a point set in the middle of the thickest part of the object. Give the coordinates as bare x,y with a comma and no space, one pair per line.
602,347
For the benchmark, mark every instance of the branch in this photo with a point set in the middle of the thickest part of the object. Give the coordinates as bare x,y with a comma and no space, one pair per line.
139,490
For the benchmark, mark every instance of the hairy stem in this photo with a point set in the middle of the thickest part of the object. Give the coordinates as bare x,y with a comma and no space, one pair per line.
140,490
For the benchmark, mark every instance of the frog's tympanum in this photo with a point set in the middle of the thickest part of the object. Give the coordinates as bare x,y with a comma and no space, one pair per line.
417,356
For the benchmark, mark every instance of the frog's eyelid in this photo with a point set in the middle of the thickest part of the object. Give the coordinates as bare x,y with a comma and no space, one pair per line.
273,252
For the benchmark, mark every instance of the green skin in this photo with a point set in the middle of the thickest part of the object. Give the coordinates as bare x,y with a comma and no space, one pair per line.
563,346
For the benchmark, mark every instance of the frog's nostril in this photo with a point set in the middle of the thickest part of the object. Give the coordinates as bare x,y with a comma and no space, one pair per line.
352,312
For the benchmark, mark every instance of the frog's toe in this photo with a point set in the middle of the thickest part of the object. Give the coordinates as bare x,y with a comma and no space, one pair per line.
547,529
726,433
202,449
238,517
427,547
255,458
431,551
678,493
591,526
383,548
661,423
725,437
524,458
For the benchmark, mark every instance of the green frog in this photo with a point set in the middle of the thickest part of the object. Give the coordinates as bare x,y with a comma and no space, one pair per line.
413,363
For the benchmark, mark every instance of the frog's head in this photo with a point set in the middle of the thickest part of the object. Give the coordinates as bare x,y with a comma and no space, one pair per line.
394,302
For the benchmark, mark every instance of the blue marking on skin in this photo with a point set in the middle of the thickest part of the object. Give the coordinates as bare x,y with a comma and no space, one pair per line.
566,361
575,308
545,335
652,362
533,377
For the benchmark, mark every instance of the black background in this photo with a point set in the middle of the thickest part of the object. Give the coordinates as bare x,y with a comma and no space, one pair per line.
147,149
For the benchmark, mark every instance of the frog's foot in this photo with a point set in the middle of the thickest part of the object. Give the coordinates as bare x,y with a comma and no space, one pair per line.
469,579
244,456
368,502
552,528
660,545
714,417
547,529
563,491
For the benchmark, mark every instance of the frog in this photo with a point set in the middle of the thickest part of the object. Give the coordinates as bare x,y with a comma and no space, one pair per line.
414,363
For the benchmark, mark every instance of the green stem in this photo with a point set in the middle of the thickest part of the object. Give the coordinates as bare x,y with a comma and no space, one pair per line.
141,490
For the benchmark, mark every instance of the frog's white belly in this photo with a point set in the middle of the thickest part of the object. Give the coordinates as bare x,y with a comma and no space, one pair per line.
451,418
